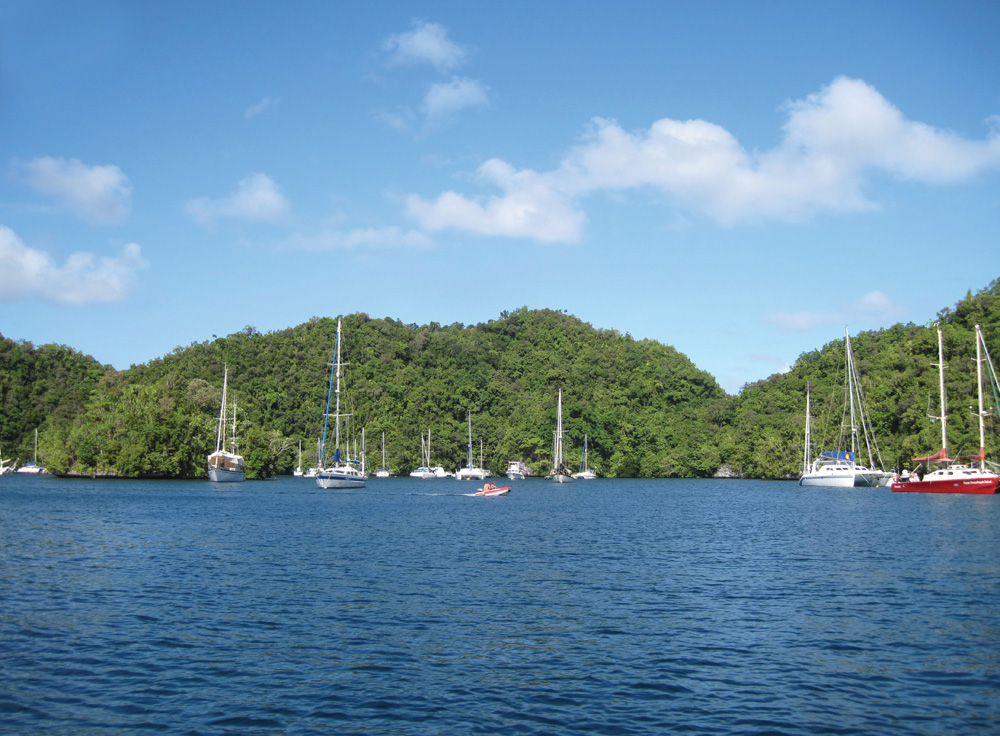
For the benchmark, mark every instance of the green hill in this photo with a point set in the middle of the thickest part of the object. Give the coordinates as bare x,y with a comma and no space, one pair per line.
646,410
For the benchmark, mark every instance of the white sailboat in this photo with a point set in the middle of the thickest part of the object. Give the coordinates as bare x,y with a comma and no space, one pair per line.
32,468
383,472
840,468
298,468
339,474
226,466
585,472
470,471
559,472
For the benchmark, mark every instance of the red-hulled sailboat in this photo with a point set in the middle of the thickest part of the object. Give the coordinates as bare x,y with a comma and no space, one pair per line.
952,476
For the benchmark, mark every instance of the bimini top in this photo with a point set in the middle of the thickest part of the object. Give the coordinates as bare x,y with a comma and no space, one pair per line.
839,455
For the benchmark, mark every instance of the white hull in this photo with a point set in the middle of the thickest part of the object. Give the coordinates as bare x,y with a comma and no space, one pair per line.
423,473
30,470
340,478
559,478
472,473
585,475
828,480
223,475
382,473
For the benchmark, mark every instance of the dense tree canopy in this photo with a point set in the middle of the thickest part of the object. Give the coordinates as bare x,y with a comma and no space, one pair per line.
645,409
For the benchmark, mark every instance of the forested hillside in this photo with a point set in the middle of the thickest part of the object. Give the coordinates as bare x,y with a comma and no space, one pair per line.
39,387
645,409
898,369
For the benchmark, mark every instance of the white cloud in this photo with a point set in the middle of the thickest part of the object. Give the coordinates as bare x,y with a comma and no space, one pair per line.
531,207
427,43
84,279
445,98
370,238
254,110
874,308
832,141
99,194
256,199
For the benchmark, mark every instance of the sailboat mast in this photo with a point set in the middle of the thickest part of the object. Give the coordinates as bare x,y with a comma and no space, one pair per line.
944,407
329,394
232,436
979,393
850,391
470,440
336,415
805,456
222,411
559,437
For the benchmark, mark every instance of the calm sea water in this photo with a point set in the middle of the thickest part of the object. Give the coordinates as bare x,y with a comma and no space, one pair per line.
605,607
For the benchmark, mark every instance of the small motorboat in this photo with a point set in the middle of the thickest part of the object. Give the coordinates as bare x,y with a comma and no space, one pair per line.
484,491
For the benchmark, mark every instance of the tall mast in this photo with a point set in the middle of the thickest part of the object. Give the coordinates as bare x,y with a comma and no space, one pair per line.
944,407
805,456
336,415
470,439
232,436
850,391
222,411
559,437
329,393
979,393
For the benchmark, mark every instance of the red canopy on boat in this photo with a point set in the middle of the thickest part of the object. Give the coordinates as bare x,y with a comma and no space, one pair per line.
941,456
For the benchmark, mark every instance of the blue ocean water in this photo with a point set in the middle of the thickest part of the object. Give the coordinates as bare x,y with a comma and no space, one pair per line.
602,607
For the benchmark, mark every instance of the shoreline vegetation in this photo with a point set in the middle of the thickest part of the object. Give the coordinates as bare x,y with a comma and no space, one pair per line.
646,409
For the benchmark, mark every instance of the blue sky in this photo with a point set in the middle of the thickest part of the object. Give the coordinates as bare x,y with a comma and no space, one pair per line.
740,180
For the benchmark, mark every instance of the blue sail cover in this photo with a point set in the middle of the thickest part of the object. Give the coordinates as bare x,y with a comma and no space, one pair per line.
336,455
840,455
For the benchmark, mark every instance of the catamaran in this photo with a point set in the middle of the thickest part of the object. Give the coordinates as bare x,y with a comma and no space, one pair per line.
226,466
346,473
840,468
952,476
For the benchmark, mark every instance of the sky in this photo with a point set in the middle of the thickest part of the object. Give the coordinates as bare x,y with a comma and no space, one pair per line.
740,180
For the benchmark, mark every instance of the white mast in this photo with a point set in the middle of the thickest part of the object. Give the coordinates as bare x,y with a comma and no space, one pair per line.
944,406
232,437
559,434
222,411
336,411
470,440
850,391
805,456
979,392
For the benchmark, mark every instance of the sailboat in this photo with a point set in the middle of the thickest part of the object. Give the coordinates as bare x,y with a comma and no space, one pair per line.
470,471
298,468
840,468
339,474
585,472
32,468
559,472
383,472
952,476
225,466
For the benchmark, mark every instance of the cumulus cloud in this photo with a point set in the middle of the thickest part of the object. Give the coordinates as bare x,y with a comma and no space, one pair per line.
98,194
84,279
391,237
445,98
256,199
832,141
427,43
872,308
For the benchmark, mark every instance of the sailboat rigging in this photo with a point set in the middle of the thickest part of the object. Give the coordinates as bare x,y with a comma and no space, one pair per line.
339,474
